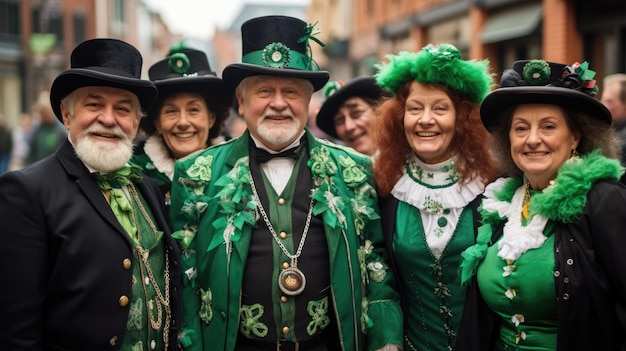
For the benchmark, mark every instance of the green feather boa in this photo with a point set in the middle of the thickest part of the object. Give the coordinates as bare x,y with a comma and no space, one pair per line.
563,202
566,199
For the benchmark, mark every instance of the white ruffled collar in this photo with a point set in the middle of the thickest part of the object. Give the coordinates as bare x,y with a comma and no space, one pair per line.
516,239
435,183
158,153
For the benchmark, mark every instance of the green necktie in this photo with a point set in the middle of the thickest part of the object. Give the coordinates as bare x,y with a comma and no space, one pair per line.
112,183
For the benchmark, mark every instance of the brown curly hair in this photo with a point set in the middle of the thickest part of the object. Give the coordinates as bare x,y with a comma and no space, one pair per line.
470,139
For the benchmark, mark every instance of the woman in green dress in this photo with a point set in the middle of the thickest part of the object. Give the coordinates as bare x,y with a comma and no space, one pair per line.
431,169
548,271
187,116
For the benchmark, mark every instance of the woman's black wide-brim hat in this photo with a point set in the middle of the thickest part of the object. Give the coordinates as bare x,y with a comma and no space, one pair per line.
357,87
187,70
103,62
540,82
276,46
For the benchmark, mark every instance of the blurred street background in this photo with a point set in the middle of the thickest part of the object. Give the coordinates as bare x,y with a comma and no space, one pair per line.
37,36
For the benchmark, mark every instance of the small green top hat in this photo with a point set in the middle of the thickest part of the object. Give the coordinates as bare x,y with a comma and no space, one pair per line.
276,46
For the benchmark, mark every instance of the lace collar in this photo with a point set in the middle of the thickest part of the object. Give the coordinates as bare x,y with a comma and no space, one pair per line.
423,184
516,238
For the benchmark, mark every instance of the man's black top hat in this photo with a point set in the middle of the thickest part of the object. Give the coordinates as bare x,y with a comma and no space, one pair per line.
540,82
103,62
357,87
276,46
187,71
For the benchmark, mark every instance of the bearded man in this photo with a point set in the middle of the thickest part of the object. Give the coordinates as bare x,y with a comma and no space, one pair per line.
281,236
99,268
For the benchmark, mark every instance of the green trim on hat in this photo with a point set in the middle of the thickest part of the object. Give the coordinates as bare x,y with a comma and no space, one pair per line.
440,64
277,55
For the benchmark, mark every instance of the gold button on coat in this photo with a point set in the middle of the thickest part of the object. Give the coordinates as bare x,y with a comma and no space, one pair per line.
284,298
281,201
285,330
127,263
283,235
285,265
123,301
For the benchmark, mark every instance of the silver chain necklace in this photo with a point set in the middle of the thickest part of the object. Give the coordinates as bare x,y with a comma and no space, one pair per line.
291,280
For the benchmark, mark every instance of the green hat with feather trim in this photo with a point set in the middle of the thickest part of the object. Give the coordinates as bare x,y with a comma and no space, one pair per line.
439,64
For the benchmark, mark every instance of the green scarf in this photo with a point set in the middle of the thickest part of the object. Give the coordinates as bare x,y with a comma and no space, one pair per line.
112,183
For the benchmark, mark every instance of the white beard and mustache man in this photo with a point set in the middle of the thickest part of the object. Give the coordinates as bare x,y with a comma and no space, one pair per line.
275,134
100,155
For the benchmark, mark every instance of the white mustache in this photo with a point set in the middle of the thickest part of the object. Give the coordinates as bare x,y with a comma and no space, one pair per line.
98,129
269,113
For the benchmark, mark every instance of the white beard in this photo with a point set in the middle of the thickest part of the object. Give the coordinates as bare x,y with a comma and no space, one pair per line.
278,136
104,156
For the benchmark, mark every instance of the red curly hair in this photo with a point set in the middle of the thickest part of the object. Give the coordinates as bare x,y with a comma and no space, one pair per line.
470,140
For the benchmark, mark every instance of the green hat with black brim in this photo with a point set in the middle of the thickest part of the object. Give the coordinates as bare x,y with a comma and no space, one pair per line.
276,46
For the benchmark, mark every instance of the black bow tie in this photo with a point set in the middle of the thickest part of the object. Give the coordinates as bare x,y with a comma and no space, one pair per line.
262,156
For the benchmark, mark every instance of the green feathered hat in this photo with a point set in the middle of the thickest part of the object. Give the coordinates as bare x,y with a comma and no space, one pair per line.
439,64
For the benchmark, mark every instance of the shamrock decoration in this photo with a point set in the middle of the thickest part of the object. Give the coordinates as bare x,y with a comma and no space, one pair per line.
443,51
179,63
276,55
537,72
331,87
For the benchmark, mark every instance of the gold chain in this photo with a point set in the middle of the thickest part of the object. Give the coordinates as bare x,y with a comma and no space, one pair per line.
266,219
162,301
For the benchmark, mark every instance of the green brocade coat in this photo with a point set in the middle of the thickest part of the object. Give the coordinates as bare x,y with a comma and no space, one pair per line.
213,214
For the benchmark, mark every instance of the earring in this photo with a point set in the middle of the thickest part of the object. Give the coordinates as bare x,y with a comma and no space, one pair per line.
574,154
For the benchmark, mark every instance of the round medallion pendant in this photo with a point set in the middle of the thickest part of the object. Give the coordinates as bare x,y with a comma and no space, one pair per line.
291,281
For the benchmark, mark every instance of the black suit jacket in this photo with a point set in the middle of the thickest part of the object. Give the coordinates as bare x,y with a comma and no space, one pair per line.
62,254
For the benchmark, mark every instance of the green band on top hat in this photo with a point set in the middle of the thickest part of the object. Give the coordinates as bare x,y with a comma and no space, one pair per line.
278,55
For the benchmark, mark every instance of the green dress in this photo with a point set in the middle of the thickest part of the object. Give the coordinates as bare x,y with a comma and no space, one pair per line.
433,226
516,280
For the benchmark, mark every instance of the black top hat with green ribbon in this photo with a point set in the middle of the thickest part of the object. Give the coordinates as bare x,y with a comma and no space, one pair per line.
276,46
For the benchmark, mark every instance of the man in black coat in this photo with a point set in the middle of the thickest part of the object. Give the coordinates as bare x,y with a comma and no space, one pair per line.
86,250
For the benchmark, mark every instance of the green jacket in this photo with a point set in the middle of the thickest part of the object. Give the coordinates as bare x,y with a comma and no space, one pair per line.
213,213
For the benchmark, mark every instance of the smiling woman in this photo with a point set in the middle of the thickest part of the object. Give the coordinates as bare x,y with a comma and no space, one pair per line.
188,114
548,271
431,169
